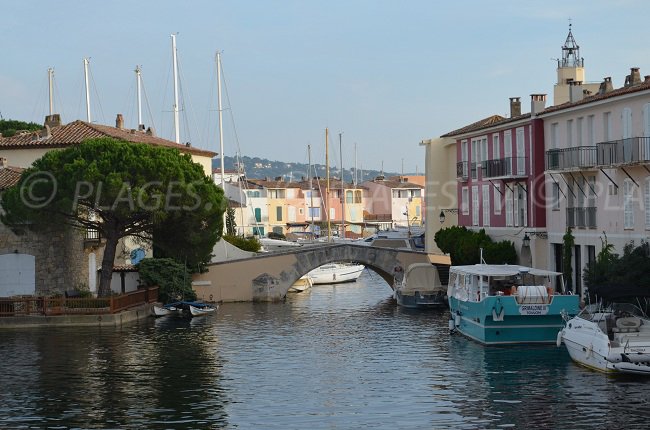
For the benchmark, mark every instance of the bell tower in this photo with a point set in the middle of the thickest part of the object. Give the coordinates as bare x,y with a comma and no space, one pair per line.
570,70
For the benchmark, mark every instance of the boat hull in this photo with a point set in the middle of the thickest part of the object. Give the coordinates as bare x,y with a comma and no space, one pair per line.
340,274
497,320
418,300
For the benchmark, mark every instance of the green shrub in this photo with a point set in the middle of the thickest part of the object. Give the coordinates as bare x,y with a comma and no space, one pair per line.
173,279
464,247
250,244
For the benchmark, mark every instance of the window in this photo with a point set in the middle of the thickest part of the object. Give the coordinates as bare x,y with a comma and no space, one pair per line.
314,212
591,139
607,126
626,123
554,135
507,150
332,213
486,205
496,149
497,199
301,211
349,196
508,207
475,200
258,215
463,151
555,196
612,190
484,149
521,152
357,196
276,194
579,131
646,202
628,210
569,133
278,213
464,201
253,193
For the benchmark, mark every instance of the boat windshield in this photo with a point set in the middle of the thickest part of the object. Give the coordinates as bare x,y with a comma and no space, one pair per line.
597,311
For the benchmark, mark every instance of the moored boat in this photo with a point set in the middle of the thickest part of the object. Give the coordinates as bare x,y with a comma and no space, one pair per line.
199,309
335,273
303,283
163,311
614,339
508,304
420,287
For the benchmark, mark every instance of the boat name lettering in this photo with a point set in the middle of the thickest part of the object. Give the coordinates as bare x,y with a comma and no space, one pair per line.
533,309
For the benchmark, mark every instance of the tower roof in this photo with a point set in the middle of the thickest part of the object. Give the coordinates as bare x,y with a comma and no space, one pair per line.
571,52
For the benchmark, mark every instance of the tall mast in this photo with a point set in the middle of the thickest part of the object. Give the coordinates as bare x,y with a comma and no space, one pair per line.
342,189
50,77
311,189
327,187
138,83
355,165
220,118
87,89
175,66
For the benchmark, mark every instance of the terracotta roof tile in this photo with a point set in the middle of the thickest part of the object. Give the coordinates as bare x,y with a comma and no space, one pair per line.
491,121
9,177
597,97
78,131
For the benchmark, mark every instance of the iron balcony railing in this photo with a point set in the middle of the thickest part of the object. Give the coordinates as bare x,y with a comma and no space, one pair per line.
505,167
581,217
461,170
569,158
624,151
473,168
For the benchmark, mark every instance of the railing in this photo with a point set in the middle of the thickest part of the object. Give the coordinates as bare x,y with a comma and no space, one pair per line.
567,158
473,168
631,150
504,167
581,217
461,170
24,306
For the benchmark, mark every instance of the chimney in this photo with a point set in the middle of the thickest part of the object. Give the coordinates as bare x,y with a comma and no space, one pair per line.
515,107
537,103
634,78
53,120
646,79
606,86
151,132
3,163
119,121
575,91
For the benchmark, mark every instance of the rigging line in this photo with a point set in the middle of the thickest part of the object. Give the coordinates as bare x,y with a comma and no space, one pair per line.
36,104
232,116
130,109
99,101
146,102
60,104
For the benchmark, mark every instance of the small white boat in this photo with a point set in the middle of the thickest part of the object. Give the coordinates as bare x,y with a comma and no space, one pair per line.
336,273
196,311
613,340
274,245
304,283
420,287
163,311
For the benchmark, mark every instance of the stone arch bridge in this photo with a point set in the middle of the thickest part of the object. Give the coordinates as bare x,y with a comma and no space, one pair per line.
267,277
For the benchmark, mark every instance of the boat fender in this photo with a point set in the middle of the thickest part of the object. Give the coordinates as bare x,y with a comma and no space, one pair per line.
590,350
457,319
558,341
452,325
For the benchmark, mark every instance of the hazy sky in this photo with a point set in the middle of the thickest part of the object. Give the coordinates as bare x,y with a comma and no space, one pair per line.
386,73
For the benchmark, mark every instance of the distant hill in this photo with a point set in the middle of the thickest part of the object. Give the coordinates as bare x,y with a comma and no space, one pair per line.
260,168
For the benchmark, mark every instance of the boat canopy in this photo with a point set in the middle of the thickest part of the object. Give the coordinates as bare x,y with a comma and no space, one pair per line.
421,277
500,270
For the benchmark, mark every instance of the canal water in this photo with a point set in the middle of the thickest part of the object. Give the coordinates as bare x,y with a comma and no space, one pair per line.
334,357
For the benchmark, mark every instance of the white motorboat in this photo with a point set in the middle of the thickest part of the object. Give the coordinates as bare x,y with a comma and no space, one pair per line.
400,238
335,273
615,339
273,245
303,283
420,287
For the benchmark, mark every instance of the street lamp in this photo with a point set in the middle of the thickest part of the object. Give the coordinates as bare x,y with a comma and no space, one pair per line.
442,214
526,240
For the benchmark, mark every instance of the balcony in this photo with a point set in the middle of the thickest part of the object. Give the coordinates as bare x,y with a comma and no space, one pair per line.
624,151
581,217
508,167
571,158
461,170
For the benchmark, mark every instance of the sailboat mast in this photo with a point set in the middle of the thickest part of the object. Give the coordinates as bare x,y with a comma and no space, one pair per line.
220,119
177,132
327,187
342,188
355,166
138,83
311,189
87,89
50,77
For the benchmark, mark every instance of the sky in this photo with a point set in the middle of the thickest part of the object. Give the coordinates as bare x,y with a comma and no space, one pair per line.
386,74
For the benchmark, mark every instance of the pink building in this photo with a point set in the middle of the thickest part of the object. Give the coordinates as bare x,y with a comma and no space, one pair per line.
500,174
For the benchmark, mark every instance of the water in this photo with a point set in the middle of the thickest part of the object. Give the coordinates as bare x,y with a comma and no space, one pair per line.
335,357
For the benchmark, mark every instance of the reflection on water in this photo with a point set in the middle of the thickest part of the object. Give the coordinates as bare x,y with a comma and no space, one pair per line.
336,356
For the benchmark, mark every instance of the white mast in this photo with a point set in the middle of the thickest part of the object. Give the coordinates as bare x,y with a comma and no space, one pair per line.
223,185
87,89
327,189
138,82
311,190
356,179
50,77
175,65
342,188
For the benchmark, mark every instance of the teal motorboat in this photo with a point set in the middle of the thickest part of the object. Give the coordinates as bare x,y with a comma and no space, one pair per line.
508,304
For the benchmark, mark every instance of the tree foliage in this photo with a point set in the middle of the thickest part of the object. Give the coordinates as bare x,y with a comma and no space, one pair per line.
614,276
250,244
464,246
121,189
231,224
9,127
172,277
567,249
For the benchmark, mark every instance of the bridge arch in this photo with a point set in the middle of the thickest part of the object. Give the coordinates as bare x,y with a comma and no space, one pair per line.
267,277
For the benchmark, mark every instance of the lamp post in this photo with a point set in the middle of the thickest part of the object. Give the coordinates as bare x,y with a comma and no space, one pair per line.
442,214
